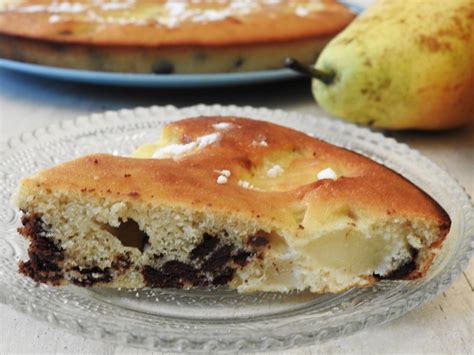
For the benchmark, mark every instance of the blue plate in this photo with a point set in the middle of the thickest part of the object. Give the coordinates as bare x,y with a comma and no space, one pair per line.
160,80
149,80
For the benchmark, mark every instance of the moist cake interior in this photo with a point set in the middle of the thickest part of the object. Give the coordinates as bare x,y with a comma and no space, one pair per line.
168,248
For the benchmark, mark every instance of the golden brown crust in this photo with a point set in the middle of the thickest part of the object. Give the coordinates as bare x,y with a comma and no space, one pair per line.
171,60
152,24
191,180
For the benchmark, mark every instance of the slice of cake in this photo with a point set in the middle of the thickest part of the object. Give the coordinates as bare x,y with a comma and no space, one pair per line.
228,201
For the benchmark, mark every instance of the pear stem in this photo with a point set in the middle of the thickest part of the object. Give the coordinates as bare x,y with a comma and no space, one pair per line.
324,76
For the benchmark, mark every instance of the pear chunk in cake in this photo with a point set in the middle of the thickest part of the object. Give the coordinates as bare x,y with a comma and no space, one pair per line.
228,201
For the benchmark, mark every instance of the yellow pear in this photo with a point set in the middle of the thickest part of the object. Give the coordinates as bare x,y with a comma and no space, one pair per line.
403,64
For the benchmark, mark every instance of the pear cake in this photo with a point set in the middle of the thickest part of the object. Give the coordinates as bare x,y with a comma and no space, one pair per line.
168,36
227,201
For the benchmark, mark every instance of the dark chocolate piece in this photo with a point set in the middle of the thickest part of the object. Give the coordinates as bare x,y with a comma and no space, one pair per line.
400,273
214,266
91,276
403,270
218,259
224,277
203,249
43,252
173,274
258,240
239,62
129,234
242,257
163,66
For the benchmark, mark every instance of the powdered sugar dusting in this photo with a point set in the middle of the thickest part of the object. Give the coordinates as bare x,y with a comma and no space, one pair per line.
225,173
54,18
260,143
223,176
207,139
175,151
245,184
275,170
301,11
327,173
108,6
55,7
170,13
222,125
221,180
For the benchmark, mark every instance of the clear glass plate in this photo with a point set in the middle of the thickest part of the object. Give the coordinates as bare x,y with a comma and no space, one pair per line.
222,320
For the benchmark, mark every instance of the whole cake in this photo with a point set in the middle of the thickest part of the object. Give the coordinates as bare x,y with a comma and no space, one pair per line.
228,201
168,36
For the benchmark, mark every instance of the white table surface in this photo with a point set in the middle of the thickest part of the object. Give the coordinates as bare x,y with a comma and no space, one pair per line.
443,325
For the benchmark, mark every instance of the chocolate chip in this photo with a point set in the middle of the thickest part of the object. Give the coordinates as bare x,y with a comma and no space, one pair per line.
224,277
45,255
178,268
218,259
163,66
403,270
173,274
207,245
258,240
91,276
239,62
156,278
241,258
129,234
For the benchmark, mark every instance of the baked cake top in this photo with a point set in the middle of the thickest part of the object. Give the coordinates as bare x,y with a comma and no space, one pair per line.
246,167
172,22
